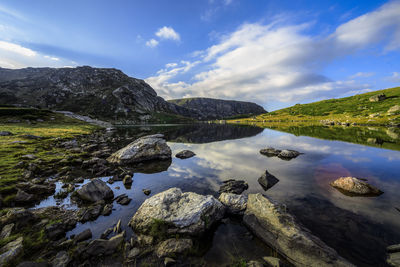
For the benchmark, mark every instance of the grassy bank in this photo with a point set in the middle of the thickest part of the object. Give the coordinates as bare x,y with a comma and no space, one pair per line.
356,109
34,133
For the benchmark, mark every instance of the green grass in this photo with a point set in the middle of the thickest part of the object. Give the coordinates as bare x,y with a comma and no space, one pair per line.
51,127
354,109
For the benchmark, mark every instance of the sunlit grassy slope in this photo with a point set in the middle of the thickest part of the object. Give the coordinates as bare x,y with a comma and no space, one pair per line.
354,109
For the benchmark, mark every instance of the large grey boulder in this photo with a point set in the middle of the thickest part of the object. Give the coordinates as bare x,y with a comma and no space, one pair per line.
236,204
94,191
187,213
11,251
148,147
270,221
354,186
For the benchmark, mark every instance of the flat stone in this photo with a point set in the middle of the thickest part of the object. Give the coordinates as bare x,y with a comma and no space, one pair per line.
149,147
173,246
354,186
185,154
272,224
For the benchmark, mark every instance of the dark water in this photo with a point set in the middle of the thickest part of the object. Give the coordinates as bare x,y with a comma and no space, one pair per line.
358,228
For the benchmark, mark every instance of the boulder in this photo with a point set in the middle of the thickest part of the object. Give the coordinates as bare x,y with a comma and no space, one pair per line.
82,236
185,154
288,154
272,224
377,98
173,246
187,213
236,204
233,186
145,148
270,152
267,180
11,250
394,110
355,187
94,191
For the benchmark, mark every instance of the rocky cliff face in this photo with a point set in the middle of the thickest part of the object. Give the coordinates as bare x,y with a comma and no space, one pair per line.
106,94
211,109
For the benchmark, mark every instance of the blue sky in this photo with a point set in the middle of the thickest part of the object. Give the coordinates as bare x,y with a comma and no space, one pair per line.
275,53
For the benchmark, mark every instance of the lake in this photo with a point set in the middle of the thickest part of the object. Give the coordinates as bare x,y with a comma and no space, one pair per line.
359,228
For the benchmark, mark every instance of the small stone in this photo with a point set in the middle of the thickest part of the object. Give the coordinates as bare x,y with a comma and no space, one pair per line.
127,180
288,154
133,253
146,192
270,152
354,186
169,262
85,235
173,246
117,228
267,180
272,261
107,210
393,248
185,154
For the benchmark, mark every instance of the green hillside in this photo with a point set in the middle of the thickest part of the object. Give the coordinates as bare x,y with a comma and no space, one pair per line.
358,109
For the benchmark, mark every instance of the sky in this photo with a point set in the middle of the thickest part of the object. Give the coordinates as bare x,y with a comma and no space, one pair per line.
274,53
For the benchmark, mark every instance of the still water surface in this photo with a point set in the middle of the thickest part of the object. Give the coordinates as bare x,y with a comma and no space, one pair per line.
358,228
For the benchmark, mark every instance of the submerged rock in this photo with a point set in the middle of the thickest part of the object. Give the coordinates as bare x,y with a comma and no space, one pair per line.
173,246
233,186
187,212
270,221
94,191
236,204
185,154
353,186
267,180
145,148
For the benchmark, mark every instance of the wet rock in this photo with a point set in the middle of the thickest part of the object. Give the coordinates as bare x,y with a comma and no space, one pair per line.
82,236
106,233
101,247
37,189
117,228
173,246
267,180
123,199
90,213
107,210
127,180
11,250
55,231
62,259
270,152
233,186
6,133
288,154
145,148
24,198
94,191
270,222
353,186
188,212
146,191
7,230
236,204
185,154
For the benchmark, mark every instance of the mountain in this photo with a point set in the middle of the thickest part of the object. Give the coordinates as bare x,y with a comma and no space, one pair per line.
212,109
106,94
380,107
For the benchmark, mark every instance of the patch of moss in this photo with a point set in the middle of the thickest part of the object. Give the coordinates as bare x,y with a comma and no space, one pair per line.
159,229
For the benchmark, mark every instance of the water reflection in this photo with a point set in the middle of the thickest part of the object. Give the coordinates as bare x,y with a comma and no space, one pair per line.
359,228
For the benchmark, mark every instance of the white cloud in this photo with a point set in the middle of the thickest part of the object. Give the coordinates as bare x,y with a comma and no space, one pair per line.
168,33
276,62
362,75
395,77
152,43
16,56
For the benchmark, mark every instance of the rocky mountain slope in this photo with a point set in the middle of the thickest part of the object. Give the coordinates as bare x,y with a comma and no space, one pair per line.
211,109
107,94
